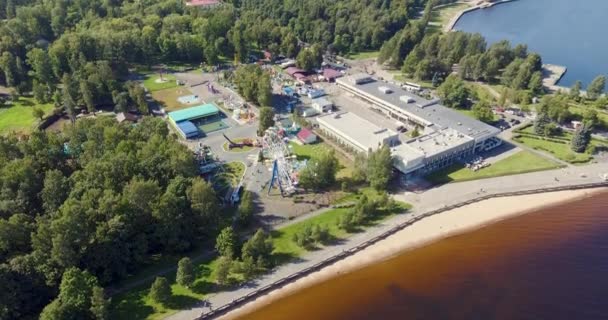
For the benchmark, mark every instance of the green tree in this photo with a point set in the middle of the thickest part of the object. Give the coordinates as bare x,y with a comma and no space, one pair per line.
380,168
76,294
596,88
222,271
575,91
320,172
37,113
258,248
580,139
541,122
483,111
226,242
246,209
160,291
453,92
266,120
185,272
536,83
99,305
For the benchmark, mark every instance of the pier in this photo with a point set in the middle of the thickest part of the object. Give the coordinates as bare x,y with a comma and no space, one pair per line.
551,75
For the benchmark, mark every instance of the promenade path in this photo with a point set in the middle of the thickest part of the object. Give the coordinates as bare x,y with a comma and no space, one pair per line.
432,199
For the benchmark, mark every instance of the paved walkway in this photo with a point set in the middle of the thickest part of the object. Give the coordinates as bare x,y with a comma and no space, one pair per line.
430,200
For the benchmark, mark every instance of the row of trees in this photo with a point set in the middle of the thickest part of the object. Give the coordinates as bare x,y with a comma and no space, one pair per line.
100,197
120,32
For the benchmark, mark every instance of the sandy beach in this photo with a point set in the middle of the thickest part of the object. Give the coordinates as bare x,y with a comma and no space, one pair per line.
428,230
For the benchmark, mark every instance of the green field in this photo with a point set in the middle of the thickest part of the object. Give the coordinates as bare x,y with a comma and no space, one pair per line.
364,55
151,84
308,151
520,162
168,98
18,116
561,151
558,146
135,304
441,17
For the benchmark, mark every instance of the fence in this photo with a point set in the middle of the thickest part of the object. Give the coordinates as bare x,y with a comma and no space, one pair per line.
283,281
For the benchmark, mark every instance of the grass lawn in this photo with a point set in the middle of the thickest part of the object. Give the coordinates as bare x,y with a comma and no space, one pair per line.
561,151
239,140
469,113
151,84
18,116
308,151
440,17
402,78
135,304
168,98
364,55
230,177
520,162
284,246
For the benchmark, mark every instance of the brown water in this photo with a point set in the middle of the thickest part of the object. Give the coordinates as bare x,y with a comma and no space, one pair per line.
550,264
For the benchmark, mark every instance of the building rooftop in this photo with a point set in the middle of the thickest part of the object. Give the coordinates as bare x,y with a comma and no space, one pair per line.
430,111
437,142
188,128
201,111
362,132
321,102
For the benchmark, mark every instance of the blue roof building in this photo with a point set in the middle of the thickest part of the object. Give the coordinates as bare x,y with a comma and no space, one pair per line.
187,129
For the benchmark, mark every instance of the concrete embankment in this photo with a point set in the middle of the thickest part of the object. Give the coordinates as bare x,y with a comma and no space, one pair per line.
480,5
551,75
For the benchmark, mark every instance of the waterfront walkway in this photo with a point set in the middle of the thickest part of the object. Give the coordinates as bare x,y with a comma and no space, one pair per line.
433,199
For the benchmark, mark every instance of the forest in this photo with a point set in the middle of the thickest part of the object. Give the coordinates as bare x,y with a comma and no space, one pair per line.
100,197
84,208
43,41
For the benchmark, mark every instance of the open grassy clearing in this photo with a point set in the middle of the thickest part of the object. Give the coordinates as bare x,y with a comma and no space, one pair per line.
402,78
364,55
168,98
558,145
560,150
442,16
18,117
308,151
151,83
520,162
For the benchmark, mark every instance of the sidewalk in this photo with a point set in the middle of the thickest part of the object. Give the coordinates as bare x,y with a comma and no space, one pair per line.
433,199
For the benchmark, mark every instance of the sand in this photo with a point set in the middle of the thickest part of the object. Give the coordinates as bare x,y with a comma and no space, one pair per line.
428,230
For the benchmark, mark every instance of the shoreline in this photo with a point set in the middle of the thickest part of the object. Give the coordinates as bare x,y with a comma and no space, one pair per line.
484,5
428,230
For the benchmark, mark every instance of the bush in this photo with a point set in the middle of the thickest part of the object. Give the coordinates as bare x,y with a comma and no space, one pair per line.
160,290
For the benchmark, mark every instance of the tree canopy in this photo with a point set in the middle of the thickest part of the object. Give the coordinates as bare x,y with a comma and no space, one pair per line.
100,196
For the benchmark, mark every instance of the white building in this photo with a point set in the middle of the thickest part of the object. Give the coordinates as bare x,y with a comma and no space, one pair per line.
322,105
355,132
413,110
447,135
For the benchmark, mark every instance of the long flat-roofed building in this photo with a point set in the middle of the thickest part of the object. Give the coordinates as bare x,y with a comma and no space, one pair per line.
432,151
355,132
415,110
448,135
